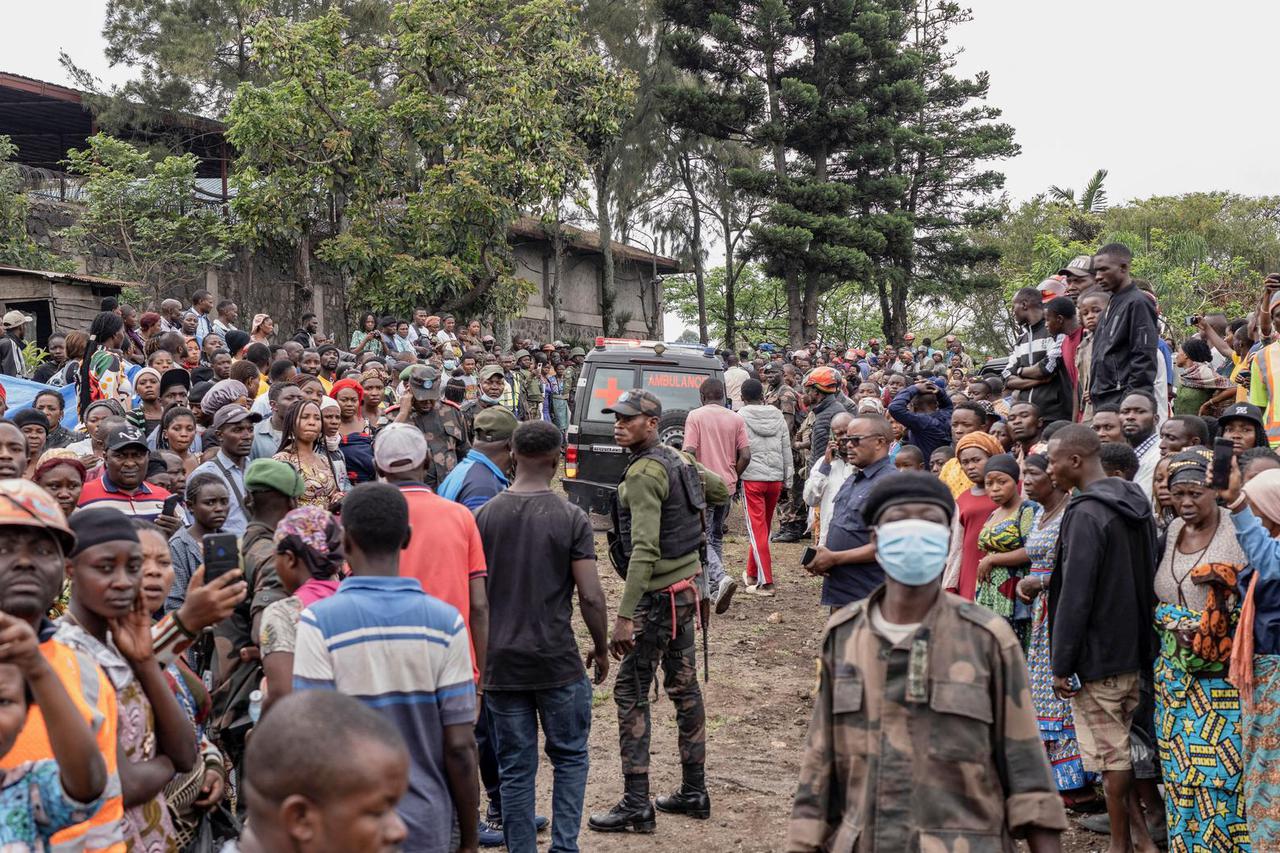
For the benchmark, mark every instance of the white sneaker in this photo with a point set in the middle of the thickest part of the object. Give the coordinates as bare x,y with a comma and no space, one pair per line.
724,594
746,582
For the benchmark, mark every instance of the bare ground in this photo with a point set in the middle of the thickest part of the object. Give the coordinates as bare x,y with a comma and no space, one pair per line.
758,709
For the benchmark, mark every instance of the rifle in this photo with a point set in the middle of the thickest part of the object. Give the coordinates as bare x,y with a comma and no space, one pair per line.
704,600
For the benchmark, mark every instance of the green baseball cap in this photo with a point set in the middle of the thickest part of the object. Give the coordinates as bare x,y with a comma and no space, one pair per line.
490,371
495,423
274,475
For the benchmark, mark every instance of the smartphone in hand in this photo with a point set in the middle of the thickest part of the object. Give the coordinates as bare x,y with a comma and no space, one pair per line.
1223,451
807,557
221,554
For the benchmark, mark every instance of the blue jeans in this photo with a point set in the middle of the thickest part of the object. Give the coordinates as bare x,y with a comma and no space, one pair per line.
565,716
716,517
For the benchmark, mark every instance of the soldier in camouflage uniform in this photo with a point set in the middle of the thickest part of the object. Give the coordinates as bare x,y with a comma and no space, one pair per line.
923,736
657,542
530,386
792,511
442,424
573,370
490,386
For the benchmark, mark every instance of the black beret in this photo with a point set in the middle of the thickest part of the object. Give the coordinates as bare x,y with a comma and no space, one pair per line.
95,525
907,487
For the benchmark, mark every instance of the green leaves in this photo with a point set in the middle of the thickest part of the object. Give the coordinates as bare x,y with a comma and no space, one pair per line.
407,158
16,246
142,214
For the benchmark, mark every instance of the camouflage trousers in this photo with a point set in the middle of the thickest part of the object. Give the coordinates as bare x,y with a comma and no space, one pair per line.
794,512
677,654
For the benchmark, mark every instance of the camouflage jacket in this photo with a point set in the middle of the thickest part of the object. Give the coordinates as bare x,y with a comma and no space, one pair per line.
786,400
931,744
530,393
447,442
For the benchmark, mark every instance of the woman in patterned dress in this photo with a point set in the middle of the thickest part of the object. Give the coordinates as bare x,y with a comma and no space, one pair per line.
1255,659
302,449
1003,540
309,557
107,619
1198,725
1057,728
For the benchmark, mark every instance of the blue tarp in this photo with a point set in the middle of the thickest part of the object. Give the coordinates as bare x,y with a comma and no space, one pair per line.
19,393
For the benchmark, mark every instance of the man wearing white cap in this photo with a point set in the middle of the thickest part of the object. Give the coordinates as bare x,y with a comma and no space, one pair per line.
11,343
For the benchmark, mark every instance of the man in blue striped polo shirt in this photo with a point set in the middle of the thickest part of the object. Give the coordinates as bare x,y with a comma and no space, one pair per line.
383,640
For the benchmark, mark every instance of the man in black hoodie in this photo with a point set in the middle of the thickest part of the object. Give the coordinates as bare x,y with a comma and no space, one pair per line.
1124,343
1101,598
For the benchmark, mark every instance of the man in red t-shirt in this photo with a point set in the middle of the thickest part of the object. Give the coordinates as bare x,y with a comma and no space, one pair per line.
717,437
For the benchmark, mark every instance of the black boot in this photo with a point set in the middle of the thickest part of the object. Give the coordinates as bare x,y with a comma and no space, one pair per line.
788,533
692,800
634,811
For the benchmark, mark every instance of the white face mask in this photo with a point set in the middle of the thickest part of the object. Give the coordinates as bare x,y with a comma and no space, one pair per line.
333,442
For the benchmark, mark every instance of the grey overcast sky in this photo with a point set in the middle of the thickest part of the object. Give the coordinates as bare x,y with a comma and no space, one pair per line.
1170,96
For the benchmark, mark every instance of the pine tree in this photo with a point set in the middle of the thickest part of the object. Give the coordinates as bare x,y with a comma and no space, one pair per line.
942,153
823,87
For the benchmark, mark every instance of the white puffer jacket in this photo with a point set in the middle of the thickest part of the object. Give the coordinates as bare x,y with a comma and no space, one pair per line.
770,443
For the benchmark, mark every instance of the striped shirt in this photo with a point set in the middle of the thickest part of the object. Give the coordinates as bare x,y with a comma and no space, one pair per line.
407,655
146,501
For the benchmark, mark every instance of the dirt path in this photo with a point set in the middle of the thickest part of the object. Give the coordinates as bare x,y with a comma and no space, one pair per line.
758,709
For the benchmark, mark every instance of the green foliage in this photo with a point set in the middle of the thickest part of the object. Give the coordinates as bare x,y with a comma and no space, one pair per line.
1200,252
407,160
141,213
876,148
845,313
17,249
189,56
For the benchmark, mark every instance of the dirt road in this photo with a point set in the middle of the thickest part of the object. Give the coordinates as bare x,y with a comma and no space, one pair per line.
758,710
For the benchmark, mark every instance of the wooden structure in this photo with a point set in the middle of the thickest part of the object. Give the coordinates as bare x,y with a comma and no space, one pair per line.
59,301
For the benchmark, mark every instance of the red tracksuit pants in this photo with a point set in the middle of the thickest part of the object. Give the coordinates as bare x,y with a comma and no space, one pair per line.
760,500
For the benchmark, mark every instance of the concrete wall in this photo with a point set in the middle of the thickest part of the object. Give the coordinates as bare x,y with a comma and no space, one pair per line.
579,293
265,280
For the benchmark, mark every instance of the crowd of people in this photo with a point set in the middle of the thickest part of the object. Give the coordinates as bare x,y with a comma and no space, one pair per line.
1040,599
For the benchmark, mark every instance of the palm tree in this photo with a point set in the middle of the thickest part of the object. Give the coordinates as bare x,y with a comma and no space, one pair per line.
1092,200
1084,220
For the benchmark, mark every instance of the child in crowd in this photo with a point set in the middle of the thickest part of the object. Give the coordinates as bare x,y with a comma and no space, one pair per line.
39,798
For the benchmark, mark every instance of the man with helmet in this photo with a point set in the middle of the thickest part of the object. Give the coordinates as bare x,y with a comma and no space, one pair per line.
656,543
823,395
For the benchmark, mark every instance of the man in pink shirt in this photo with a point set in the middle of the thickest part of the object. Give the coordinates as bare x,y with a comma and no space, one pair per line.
717,437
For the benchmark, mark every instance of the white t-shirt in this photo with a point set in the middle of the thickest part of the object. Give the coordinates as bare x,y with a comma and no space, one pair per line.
733,379
891,631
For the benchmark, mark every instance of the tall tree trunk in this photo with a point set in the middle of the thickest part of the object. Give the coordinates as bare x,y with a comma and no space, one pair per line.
557,273
730,279
795,295
813,279
304,268
699,272
608,290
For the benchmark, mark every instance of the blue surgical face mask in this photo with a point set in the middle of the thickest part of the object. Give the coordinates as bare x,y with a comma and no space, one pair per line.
488,399
912,551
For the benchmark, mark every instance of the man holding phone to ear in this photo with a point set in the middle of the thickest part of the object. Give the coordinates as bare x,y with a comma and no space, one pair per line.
233,424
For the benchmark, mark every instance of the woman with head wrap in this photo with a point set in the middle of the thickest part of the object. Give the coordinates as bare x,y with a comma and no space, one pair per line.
262,329
1057,728
355,435
973,508
60,473
374,382
308,559
1003,540
146,385
1197,709
1255,655
90,450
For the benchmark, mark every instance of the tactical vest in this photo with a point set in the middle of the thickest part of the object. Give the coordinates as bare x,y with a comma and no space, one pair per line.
682,511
